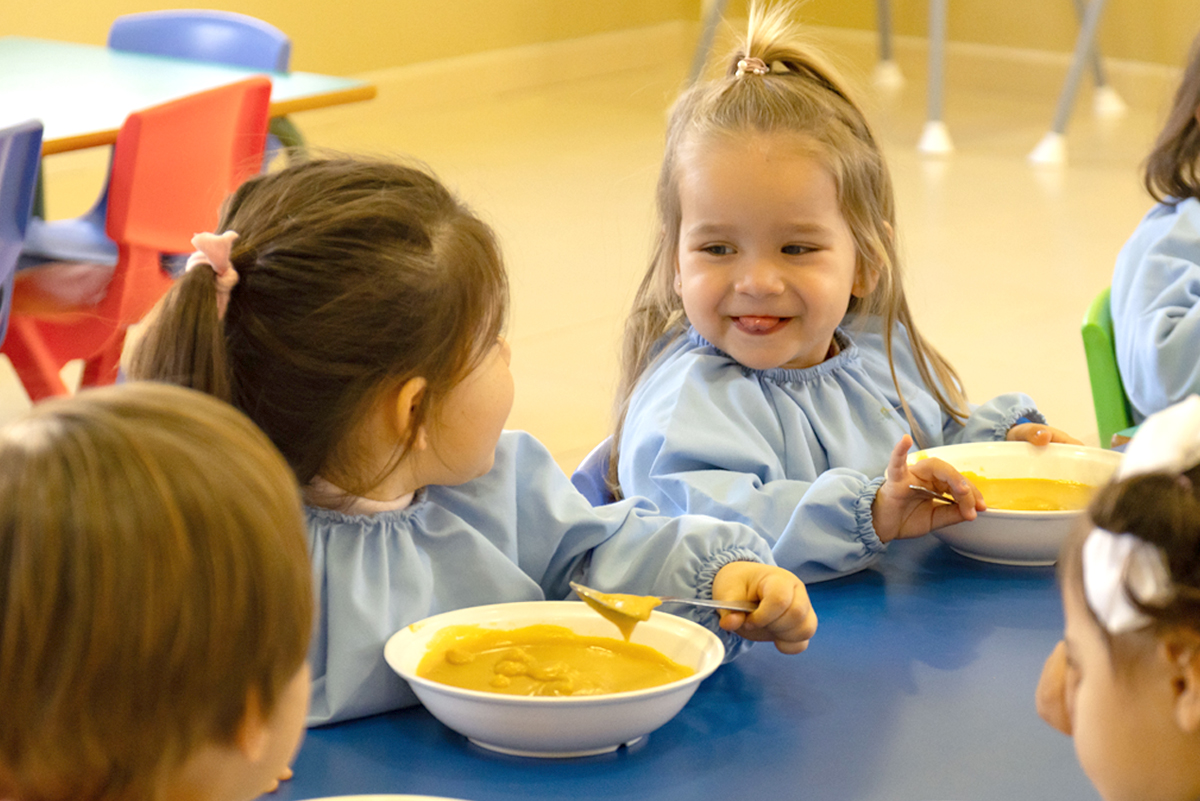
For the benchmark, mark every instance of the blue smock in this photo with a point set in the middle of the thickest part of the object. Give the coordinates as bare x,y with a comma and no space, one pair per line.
1156,308
798,454
519,533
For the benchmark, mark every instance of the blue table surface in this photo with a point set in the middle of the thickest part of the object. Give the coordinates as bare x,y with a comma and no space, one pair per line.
919,685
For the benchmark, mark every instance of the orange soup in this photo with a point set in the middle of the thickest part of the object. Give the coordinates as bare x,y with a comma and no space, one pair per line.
1032,494
543,660
623,611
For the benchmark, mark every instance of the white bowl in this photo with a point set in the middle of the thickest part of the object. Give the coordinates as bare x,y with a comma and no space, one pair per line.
1011,537
565,726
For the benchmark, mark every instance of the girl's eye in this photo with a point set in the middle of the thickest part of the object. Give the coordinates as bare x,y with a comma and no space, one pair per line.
717,250
796,250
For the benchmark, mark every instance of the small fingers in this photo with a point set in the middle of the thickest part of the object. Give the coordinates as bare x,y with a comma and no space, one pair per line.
784,614
897,467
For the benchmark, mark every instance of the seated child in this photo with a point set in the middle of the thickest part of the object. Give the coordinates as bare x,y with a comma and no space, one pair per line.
156,604
355,315
1125,680
748,393
1155,298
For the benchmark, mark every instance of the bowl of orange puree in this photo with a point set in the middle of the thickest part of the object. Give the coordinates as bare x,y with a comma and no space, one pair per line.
552,678
1034,496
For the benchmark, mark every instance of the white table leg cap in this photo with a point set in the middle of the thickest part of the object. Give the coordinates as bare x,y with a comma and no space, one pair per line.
1107,103
935,139
887,75
1051,150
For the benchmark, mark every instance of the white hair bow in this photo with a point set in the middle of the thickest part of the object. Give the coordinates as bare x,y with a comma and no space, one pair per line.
1117,566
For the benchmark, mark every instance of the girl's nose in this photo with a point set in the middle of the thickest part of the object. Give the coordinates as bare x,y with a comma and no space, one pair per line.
759,277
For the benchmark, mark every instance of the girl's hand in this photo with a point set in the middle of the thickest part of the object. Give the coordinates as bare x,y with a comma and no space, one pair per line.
784,615
1039,434
900,512
1051,695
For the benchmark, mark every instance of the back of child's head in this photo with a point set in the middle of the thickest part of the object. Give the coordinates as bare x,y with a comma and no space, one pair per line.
1172,170
1136,556
1163,511
354,276
156,583
776,84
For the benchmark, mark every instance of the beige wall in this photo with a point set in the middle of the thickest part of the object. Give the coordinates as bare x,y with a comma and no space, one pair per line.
360,35
1158,31
357,35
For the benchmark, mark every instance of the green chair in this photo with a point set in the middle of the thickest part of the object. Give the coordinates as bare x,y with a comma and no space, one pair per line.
1113,412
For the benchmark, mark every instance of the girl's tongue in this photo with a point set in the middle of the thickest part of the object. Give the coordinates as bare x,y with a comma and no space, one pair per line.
759,325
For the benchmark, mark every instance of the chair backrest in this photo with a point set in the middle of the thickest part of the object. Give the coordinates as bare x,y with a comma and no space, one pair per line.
20,154
174,164
204,35
1113,412
590,477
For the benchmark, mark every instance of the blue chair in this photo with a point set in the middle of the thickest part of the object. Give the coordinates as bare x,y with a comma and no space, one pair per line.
20,154
202,35
590,477
222,37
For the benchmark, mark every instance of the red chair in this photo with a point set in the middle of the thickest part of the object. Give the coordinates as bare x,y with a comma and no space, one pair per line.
172,166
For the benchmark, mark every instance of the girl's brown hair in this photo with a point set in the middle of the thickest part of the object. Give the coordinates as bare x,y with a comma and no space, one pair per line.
803,96
1172,166
1163,510
155,577
355,275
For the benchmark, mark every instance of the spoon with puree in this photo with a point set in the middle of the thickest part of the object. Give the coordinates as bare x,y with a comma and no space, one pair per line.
626,610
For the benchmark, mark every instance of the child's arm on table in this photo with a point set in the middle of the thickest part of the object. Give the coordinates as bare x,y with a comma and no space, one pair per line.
784,615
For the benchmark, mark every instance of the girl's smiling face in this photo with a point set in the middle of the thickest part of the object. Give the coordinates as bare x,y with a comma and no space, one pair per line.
767,264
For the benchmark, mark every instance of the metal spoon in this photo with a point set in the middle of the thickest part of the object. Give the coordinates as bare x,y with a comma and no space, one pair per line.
599,598
932,494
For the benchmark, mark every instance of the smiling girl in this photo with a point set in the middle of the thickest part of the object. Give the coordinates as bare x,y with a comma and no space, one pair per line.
772,372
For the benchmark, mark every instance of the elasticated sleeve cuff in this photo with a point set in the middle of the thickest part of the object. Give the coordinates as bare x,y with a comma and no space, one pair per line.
864,529
1028,414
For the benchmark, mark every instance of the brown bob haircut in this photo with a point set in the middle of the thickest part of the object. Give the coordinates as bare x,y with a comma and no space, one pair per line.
155,578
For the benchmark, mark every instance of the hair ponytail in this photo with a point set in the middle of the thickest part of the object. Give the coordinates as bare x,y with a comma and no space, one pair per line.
184,339
355,275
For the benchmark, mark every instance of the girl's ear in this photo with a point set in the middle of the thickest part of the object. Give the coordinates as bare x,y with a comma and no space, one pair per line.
865,280
253,734
411,393
1181,650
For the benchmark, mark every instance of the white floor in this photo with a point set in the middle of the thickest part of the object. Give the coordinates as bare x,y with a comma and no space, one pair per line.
1002,257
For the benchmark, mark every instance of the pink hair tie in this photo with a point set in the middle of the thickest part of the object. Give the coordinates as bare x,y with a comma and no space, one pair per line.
753,65
214,250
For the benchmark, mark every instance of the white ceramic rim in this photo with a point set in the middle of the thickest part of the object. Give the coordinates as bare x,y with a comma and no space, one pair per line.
441,620
1022,514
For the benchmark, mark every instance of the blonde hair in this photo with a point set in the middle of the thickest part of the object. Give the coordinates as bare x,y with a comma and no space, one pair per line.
155,577
801,95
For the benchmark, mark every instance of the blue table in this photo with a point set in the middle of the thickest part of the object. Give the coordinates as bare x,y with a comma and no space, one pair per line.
918,686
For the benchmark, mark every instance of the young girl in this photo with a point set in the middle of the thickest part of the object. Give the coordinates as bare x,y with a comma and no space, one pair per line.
1155,297
156,602
1125,680
747,392
355,316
